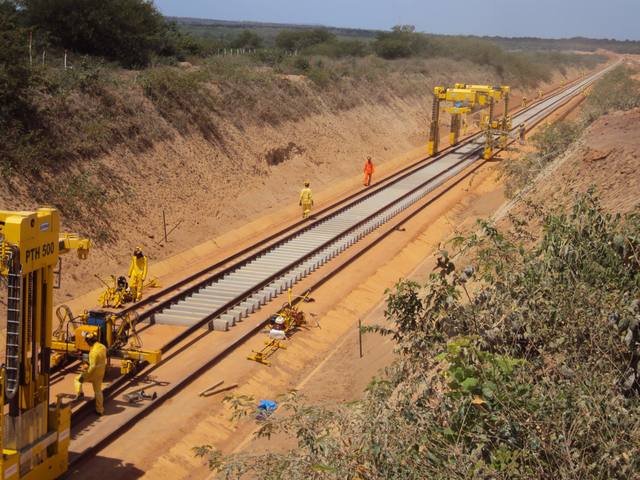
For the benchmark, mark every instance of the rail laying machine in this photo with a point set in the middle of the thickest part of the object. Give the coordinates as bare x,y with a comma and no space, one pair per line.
35,431
463,99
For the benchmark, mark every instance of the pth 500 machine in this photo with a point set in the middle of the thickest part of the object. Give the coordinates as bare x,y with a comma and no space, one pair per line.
35,436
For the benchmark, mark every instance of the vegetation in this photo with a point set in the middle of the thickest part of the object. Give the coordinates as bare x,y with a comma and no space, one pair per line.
225,31
615,91
501,373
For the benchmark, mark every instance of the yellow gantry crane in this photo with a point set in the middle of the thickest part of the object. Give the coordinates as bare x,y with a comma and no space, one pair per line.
35,433
465,99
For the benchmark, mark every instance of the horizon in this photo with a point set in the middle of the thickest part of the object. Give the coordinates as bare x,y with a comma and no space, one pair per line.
320,25
512,19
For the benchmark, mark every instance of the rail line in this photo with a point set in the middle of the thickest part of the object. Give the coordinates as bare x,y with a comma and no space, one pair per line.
219,300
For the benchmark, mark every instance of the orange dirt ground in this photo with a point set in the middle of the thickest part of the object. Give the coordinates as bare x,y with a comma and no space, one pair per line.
321,362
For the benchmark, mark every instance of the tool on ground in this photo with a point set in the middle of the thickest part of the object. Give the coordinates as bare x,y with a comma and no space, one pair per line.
35,434
139,395
288,320
214,389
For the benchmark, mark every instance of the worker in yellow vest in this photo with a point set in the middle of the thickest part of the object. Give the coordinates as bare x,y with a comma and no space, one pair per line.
137,273
306,199
94,373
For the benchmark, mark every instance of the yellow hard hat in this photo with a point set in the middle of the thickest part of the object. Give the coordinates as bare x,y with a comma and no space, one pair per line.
91,337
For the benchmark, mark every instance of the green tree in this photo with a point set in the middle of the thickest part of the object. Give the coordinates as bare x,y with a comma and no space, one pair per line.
301,39
14,71
247,39
128,31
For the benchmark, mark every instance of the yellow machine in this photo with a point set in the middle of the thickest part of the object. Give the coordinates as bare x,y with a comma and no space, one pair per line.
465,99
490,95
35,436
115,331
119,291
284,323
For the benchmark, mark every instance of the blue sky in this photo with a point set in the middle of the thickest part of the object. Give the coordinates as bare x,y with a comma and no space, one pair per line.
543,18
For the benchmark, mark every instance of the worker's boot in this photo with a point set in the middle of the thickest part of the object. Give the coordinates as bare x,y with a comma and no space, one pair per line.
79,397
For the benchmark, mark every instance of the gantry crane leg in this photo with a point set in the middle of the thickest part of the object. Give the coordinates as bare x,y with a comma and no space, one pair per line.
432,146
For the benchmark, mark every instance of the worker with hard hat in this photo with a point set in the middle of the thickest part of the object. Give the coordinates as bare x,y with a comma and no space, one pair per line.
94,372
306,199
368,172
137,273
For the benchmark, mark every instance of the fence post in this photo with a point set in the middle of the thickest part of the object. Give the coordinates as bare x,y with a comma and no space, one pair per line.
30,48
164,224
65,59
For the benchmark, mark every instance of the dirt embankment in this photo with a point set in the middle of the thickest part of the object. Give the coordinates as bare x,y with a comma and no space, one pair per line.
606,157
255,163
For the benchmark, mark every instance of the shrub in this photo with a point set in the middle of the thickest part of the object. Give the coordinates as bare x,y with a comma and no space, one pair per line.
15,76
617,90
247,39
128,31
291,40
339,48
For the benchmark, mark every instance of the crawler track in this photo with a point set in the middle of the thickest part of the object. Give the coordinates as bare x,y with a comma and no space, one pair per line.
225,293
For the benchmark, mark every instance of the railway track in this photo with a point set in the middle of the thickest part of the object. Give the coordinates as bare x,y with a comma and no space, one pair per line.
225,293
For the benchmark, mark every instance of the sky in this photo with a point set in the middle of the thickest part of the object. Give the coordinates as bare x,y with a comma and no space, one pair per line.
618,19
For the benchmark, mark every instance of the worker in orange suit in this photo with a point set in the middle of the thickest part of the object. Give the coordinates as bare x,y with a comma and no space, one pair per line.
137,273
94,372
306,199
368,171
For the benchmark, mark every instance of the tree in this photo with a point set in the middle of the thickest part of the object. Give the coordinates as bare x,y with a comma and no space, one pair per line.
247,39
14,71
128,31
301,39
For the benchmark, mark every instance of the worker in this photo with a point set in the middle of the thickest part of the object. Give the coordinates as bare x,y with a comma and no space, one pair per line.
521,133
524,102
368,171
306,199
137,273
540,94
94,372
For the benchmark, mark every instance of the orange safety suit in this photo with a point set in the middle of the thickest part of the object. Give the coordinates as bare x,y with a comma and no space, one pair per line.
368,171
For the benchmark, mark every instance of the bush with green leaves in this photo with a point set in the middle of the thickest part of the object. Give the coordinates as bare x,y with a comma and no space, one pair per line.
127,31
291,40
247,39
522,365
